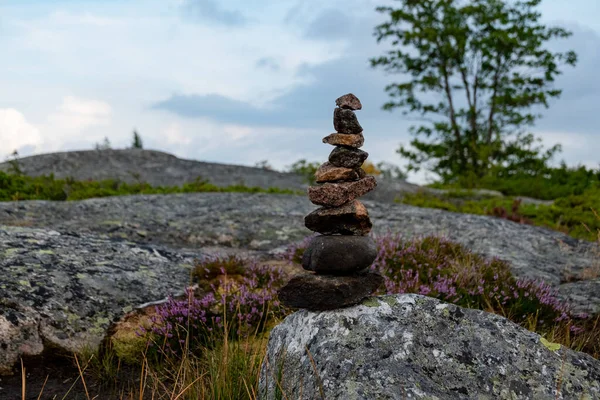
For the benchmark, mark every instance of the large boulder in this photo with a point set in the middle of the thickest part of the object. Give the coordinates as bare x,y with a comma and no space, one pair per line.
416,347
62,291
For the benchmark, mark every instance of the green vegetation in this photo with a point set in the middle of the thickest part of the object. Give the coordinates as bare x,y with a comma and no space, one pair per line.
137,141
552,184
15,187
571,214
306,169
485,64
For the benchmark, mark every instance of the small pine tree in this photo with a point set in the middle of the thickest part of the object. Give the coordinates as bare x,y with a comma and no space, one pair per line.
137,141
264,164
104,145
14,163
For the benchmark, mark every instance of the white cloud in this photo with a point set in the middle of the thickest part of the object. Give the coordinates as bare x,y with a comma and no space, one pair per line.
238,132
75,115
175,136
16,132
65,18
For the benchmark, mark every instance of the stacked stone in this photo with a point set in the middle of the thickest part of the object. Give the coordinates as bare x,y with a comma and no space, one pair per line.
340,257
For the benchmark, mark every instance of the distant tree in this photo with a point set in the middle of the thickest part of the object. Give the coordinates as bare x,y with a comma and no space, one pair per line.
485,62
105,145
14,163
306,169
390,171
264,164
370,168
137,141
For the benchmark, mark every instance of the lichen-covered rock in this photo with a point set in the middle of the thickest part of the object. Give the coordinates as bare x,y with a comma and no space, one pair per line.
339,254
336,194
345,121
326,292
19,334
416,347
260,223
63,290
350,219
343,139
347,157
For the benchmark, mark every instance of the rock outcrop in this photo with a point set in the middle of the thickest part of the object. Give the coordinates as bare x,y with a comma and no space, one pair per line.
416,347
160,168
266,224
63,290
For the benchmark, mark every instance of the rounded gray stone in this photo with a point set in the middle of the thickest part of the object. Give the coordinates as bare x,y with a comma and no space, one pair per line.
339,254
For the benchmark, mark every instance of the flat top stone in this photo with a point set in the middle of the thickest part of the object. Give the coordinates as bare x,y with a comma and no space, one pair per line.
345,139
349,101
336,194
328,172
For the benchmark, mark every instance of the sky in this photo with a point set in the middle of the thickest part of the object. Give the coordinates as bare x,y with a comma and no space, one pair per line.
235,81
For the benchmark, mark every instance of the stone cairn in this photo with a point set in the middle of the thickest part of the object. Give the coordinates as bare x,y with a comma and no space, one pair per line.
338,258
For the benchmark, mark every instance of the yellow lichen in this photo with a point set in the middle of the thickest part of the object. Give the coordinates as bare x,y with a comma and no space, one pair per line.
549,345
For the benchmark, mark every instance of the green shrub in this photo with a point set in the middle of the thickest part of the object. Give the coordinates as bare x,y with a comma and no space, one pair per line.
550,184
571,214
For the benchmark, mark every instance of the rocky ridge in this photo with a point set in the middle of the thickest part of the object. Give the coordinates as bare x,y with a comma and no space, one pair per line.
164,169
265,225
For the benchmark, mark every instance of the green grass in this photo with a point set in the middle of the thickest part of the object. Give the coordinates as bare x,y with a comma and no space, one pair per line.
571,214
17,187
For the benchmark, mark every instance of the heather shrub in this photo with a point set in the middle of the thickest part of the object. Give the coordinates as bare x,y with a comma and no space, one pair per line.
237,300
437,267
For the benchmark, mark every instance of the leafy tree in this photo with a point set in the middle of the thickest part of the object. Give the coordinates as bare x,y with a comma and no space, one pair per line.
105,145
306,169
137,141
474,70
